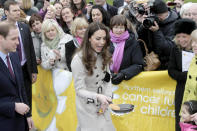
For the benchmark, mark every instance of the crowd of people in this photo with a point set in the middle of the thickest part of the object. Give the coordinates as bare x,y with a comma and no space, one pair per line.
100,44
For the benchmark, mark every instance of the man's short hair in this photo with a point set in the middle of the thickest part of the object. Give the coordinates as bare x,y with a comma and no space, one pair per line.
5,28
8,3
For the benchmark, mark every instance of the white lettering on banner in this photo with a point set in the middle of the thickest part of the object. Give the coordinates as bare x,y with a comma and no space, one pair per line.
168,101
157,110
156,102
160,91
141,98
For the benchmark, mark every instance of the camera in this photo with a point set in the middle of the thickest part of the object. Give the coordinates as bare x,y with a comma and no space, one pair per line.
141,10
149,21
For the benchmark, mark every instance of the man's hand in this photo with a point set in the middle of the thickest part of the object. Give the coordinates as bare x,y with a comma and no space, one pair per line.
30,123
34,77
155,27
21,108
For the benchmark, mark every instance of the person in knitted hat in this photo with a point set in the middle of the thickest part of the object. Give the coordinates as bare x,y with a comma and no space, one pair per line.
179,53
162,31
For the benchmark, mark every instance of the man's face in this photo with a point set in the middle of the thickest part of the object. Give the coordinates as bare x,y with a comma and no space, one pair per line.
10,42
162,16
37,26
100,2
14,13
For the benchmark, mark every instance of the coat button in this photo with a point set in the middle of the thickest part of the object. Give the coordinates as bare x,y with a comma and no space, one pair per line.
97,75
96,83
190,77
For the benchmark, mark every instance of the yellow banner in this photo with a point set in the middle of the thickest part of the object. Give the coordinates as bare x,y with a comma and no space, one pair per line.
152,93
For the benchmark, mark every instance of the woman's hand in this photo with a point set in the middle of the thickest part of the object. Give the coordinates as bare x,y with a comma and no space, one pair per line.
52,62
57,53
194,118
104,102
46,4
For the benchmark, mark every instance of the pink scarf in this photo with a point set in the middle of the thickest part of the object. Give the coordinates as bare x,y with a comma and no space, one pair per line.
79,40
119,41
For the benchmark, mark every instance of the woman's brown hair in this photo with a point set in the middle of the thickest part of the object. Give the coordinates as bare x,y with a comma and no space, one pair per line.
118,20
88,57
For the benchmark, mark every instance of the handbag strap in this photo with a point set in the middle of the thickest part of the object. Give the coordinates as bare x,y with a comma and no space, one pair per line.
146,49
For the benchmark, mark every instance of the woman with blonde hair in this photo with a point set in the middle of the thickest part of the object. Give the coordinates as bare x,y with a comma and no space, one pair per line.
78,29
176,68
53,46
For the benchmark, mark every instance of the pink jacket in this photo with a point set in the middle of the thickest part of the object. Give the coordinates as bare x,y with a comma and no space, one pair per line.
187,127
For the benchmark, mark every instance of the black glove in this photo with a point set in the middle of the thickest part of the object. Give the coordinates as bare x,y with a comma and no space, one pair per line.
117,78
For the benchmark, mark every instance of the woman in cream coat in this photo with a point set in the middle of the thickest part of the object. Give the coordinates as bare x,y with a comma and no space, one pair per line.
90,67
53,46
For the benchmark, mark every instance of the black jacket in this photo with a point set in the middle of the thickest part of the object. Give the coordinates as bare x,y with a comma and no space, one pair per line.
112,10
175,71
28,49
118,3
132,62
160,41
162,38
69,52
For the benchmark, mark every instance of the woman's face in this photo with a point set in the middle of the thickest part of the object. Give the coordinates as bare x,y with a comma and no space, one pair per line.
98,40
81,31
118,29
186,14
50,13
183,40
37,26
67,15
194,46
58,8
51,33
185,114
97,15
76,2
65,3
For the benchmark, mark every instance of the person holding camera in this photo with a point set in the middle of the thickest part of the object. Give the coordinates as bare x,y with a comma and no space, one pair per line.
162,31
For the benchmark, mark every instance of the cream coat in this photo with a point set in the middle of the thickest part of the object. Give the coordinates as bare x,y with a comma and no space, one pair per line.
47,54
86,88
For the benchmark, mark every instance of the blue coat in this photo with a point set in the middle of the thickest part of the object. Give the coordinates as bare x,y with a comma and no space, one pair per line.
11,91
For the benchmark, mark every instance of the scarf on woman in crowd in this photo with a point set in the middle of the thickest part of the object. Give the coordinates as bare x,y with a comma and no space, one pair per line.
119,42
79,40
52,44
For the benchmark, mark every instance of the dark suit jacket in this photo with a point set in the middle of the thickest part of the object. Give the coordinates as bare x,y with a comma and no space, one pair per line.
28,48
11,91
112,10
118,3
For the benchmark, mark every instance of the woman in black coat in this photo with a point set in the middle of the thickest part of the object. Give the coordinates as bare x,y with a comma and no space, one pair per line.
175,69
124,44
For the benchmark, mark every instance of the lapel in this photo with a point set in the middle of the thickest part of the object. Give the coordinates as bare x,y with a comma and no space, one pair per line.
5,70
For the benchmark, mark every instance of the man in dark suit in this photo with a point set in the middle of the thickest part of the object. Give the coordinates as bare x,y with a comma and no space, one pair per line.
118,3
110,9
14,111
25,48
